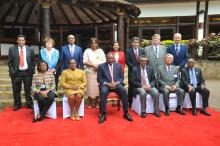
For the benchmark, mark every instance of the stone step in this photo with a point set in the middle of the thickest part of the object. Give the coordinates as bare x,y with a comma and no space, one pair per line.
4,68
4,75
5,81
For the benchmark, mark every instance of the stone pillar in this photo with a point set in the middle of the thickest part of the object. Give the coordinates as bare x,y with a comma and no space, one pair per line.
121,34
200,20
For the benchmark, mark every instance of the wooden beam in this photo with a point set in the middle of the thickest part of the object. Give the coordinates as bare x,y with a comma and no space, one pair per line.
19,13
52,15
98,15
8,11
76,14
87,14
29,13
64,13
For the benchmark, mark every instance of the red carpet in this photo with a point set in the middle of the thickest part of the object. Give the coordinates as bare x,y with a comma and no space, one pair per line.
18,130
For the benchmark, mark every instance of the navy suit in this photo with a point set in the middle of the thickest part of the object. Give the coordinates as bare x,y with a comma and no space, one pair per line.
103,77
180,59
132,62
66,56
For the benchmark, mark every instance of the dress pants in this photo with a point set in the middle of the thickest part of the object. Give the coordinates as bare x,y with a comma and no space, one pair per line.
205,96
16,80
130,89
44,103
104,90
180,96
154,94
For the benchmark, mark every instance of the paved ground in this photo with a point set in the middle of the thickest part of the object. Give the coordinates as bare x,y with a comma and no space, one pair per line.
212,85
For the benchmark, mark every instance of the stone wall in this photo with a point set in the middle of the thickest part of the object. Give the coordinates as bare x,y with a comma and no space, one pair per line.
210,69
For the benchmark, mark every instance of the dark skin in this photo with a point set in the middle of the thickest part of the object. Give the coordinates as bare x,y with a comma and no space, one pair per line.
43,69
21,41
143,63
110,61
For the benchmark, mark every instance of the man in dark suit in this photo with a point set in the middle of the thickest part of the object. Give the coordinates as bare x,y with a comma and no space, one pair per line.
21,63
70,51
179,51
169,82
132,60
143,80
192,81
110,78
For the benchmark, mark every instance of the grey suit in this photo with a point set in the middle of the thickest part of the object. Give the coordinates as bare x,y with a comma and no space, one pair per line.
165,79
154,60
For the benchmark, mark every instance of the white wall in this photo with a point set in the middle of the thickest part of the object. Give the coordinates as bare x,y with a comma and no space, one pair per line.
175,9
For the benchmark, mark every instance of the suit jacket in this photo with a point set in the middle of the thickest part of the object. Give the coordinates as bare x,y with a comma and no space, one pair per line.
185,77
164,79
131,59
136,77
14,60
155,62
55,58
181,58
104,74
121,59
66,56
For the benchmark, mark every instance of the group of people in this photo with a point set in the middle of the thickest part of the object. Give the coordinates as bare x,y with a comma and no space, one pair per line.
151,70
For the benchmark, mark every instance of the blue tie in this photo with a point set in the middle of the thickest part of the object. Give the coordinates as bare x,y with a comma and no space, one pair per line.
177,50
193,78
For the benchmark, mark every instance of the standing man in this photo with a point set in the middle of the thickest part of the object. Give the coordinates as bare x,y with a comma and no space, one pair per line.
155,53
21,65
110,79
179,51
169,82
132,60
144,81
193,82
71,51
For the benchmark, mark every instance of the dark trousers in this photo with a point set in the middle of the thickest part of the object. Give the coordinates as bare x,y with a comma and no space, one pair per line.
44,103
130,89
16,86
205,96
104,90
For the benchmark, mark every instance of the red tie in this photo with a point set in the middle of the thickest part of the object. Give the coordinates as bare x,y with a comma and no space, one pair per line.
21,58
136,54
111,72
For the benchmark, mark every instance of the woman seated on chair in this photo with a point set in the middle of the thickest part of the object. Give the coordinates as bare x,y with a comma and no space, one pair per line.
73,81
43,89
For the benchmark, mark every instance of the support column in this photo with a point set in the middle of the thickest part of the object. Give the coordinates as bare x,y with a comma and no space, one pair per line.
96,31
200,20
45,18
126,34
206,19
61,37
121,36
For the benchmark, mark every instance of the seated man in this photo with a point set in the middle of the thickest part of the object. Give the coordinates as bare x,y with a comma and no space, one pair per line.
143,80
193,82
110,78
169,80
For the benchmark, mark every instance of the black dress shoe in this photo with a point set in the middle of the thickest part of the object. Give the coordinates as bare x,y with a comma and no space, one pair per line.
157,114
167,112
143,115
203,111
180,111
127,117
17,107
102,118
194,112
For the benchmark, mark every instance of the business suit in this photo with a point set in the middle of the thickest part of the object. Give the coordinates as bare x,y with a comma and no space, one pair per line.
155,60
17,75
66,56
164,80
103,77
131,62
181,57
186,81
138,87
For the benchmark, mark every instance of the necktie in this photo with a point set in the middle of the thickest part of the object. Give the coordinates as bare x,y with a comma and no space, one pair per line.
144,77
177,50
21,58
169,72
156,52
111,71
71,52
193,78
136,54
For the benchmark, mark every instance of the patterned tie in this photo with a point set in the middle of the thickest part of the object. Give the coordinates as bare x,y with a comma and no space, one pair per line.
156,52
21,58
169,72
193,78
177,50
